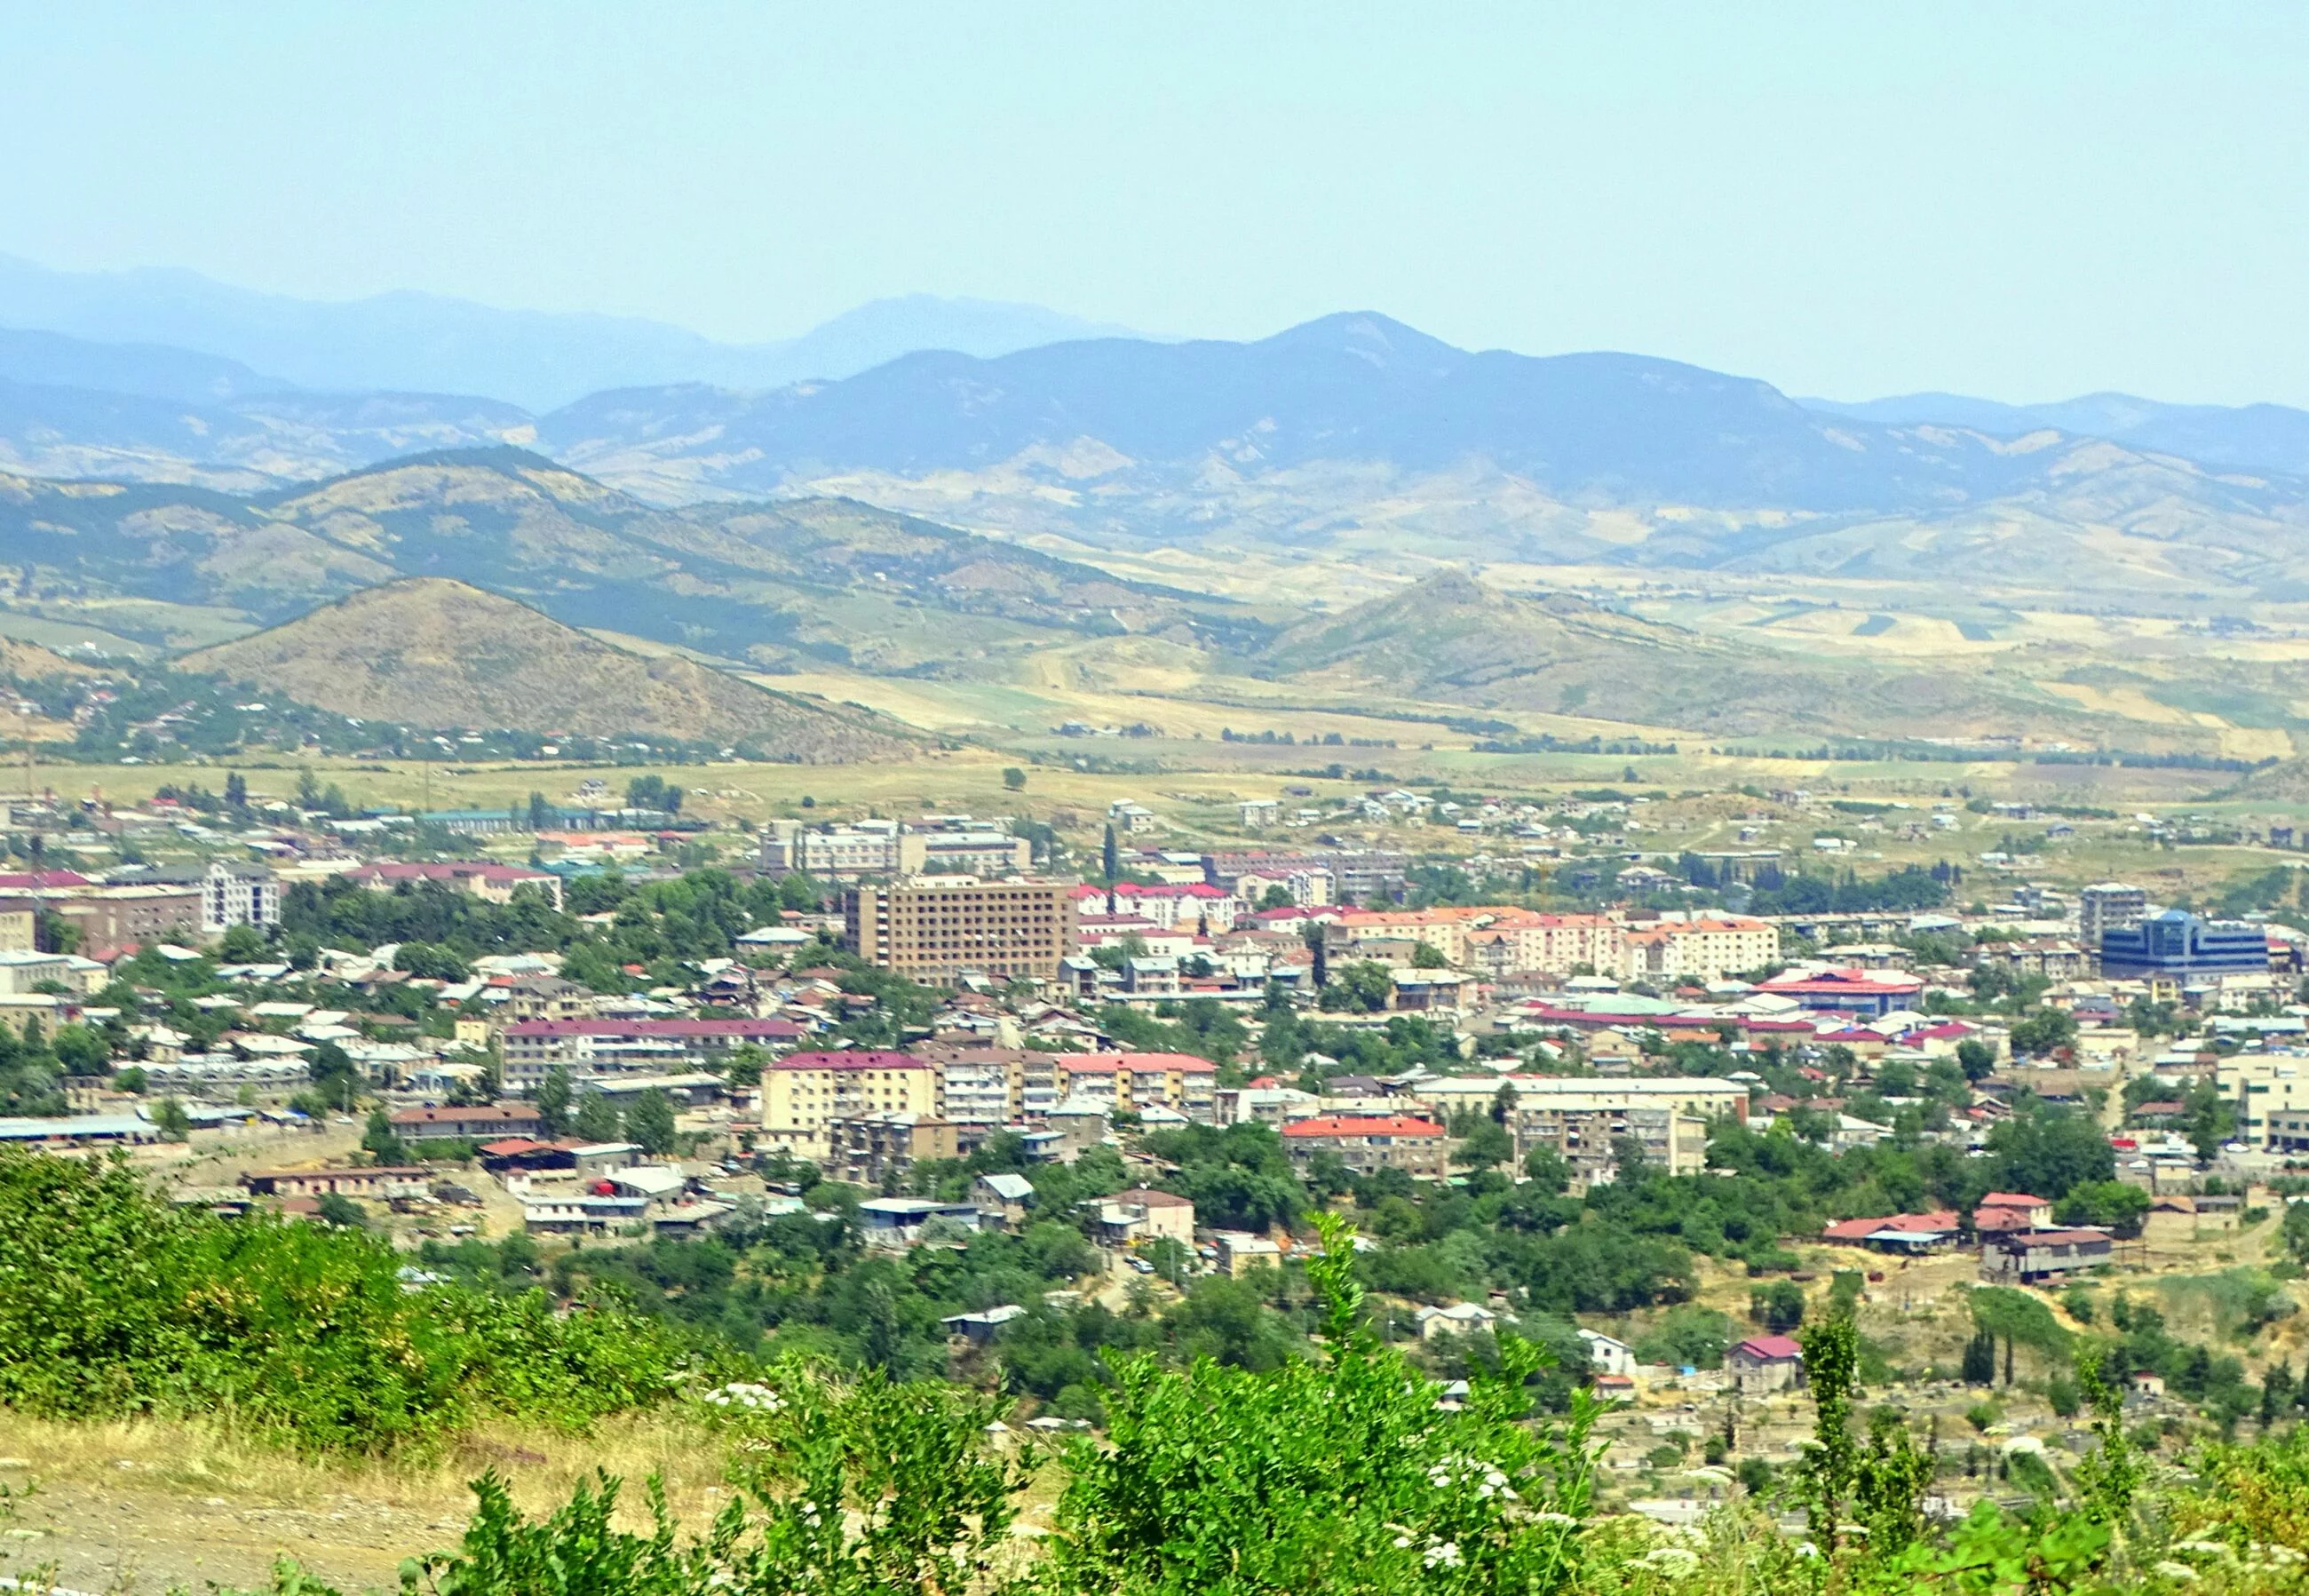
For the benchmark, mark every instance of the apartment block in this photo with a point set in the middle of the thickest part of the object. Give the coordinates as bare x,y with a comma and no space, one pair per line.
804,1093
1367,1144
934,929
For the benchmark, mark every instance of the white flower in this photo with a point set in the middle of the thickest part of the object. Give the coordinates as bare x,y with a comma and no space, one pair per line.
1402,1540
1444,1554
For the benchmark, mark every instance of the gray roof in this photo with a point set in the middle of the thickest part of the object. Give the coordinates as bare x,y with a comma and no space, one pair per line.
1010,1188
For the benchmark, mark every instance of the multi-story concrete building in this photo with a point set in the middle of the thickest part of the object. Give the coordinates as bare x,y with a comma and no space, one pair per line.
107,918
1677,946
804,1093
238,895
2106,906
1699,1095
863,1148
534,1048
2177,944
839,853
1368,1143
934,928
1128,1080
2271,1094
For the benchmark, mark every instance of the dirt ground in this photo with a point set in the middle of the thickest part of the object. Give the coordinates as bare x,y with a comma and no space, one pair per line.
147,1507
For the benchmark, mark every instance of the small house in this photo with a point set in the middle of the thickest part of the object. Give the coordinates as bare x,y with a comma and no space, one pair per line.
1766,1363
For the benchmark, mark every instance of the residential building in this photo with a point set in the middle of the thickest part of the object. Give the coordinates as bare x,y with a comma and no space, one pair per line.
491,1122
1003,1200
984,1327
2055,958
2025,1257
1239,1252
863,1148
1128,1080
901,1221
384,1181
1458,1319
1142,1214
2106,906
1699,1095
493,883
1697,946
2177,944
1366,1144
936,928
19,922
1608,1355
238,895
1766,1363
20,972
837,852
534,1048
2265,1087
804,1093
547,997
109,918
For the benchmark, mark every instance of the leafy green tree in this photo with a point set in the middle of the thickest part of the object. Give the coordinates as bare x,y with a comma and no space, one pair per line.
1778,1307
1486,1146
598,1119
380,1141
650,1122
552,1098
1977,1059
336,1209
1014,778
1547,1169
1362,987
168,1118
1109,857
2043,1031
1340,1476
334,1076
81,1049
242,944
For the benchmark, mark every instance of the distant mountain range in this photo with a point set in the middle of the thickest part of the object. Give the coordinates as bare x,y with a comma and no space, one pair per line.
1353,437
416,342
2242,437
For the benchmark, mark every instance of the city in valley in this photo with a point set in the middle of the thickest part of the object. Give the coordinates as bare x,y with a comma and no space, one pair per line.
1154,801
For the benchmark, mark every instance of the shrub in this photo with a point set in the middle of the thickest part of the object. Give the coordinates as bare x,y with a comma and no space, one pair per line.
113,1301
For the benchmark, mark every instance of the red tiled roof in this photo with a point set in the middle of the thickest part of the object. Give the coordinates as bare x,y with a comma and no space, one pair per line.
1109,1063
1343,1124
1770,1348
855,1059
1914,1224
773,1029
1877,981
465,1116
2014,1199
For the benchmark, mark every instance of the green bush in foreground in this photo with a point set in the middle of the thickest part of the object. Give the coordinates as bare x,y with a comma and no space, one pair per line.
114,1301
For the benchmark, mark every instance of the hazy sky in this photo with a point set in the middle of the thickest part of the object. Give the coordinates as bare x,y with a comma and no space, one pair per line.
1848,199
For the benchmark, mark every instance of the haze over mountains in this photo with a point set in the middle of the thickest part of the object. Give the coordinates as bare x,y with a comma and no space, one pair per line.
417,343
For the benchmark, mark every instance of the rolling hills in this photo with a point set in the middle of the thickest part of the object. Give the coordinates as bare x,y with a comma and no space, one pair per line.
432,652
1450,638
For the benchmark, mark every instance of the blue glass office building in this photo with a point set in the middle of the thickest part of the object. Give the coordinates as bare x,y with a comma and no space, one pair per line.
2178,944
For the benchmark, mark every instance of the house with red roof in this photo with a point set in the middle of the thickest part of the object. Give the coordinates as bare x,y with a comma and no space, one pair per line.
2002,1211
1766,1363
1367,1143
1897,1233
1870,993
